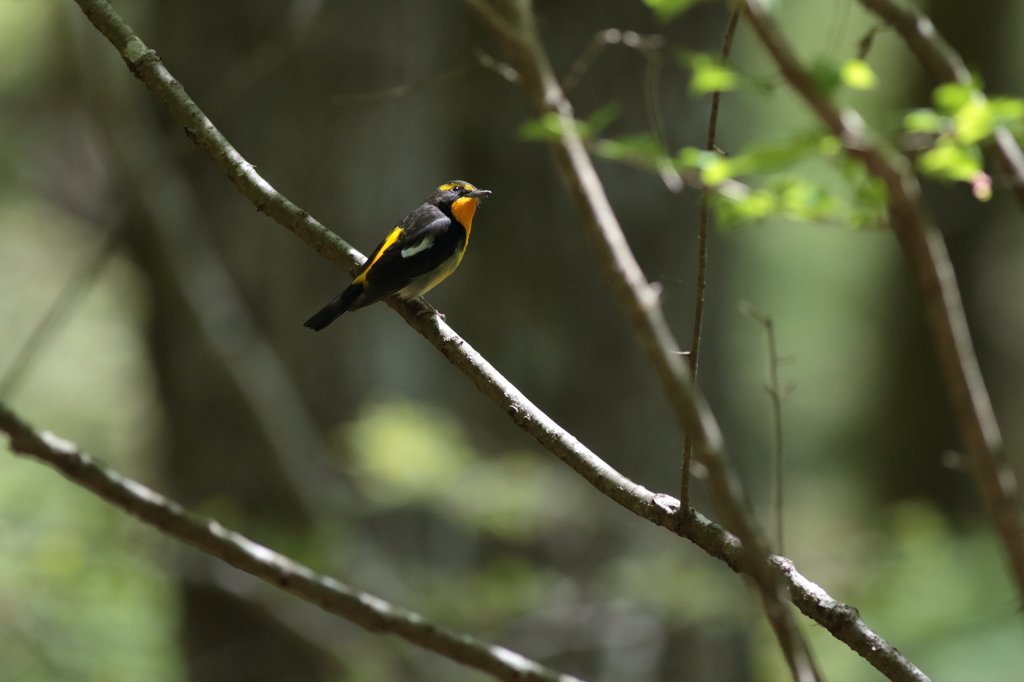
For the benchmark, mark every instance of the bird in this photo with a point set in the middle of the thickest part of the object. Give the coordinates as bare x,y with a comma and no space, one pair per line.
416,256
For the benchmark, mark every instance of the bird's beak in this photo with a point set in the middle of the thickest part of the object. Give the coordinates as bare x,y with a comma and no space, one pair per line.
476,194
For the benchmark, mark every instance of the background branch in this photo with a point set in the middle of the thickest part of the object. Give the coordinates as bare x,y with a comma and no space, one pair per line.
925,251
78,285
775,393
227,324
841,620
641,302
702,254
364,609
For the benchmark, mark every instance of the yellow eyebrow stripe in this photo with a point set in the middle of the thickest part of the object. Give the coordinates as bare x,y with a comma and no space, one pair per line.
450,185
392,238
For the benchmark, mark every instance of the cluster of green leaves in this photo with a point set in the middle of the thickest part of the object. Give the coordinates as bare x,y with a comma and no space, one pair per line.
771,185
780,192
711,75
962,119
783,192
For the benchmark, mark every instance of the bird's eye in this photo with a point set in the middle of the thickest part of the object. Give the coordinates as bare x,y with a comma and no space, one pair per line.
456,189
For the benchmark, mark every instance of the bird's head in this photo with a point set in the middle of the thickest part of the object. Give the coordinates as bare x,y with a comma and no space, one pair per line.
460,198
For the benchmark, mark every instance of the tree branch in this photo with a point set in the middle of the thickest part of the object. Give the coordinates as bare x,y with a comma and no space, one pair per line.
366,610
946,65
841,620
926,253
641,302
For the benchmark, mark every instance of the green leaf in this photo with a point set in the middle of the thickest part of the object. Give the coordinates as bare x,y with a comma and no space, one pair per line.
551,126
829,145
710,75
714,168
716,171
804,200
600,119
924,121
973,120
858,75
689,157
1006,110
825,75
949,161
949,97
750,207
667,10
873,194
640,148
546,128
771,157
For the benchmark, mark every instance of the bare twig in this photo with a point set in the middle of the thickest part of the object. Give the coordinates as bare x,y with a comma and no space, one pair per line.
366,610
946,65
774,389
641,301
399,91
702,254
841,620
646,44
926,253
609,36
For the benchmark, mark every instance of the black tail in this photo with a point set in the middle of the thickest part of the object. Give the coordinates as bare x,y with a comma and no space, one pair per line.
335,309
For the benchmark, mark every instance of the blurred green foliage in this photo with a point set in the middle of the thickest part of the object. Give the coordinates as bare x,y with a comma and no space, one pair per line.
84,590
709,75
404,453
857,74
962,120
667,10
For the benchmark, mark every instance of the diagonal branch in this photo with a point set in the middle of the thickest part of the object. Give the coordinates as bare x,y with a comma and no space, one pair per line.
841,620
366,610
928,258
641,302
946,65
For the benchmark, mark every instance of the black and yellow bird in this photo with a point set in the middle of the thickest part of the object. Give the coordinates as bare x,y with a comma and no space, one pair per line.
416,256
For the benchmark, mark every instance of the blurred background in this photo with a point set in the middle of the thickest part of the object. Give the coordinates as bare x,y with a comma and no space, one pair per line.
149,313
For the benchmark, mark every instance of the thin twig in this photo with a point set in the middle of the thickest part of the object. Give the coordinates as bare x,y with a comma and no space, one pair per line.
583,62
926,254
841,620
641,302
946,65
646,44
702,254
366,610
656,121
774,389
77,286
405,89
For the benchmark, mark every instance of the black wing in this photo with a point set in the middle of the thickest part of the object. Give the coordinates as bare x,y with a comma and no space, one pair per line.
427,240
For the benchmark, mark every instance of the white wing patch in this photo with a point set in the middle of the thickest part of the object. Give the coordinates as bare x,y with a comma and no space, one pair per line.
423,245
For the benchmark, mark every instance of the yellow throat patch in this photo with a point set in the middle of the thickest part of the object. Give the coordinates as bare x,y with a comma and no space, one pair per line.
463,210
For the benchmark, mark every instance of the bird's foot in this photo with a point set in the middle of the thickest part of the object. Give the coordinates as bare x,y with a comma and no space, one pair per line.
431,310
